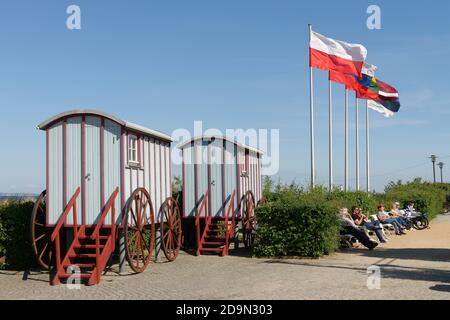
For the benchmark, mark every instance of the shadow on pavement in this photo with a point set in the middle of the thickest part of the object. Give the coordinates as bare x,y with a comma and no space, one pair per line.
441,288
424,254
387,271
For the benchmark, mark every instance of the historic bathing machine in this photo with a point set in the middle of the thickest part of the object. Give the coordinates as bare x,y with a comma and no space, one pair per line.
105,177
109,187
221,187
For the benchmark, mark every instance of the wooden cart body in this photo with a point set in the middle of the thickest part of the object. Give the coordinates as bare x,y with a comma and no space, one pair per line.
99,153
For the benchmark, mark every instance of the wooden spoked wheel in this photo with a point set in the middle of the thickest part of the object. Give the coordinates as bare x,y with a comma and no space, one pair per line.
139,229
171,228
40,233
248,220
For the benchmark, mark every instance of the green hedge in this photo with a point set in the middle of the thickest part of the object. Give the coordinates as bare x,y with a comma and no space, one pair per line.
15,244
295,222
428,197
296,225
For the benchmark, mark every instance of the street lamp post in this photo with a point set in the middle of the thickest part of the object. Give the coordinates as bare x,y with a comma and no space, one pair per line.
433,160
441,166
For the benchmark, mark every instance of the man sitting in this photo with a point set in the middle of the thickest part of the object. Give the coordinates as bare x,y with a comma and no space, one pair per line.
397,213
361,220
349,227
384,217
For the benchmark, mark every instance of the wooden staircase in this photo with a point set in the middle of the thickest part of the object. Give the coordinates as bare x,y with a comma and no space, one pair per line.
217,232
90,250
215,236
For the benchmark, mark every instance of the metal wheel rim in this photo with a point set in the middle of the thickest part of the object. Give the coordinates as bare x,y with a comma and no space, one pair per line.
421,223
171,228
40,234
139,229
249,220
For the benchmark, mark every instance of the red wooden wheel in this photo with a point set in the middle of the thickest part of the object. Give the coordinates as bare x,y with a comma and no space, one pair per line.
40,233
171,228
139,229
248,220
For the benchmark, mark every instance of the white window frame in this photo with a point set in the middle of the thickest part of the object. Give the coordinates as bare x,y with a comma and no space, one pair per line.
133,149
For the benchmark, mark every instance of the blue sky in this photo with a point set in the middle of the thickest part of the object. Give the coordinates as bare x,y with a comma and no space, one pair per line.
232,64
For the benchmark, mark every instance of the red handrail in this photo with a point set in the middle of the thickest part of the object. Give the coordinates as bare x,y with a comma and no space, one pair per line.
229,232
62,220
110,206
197,217
203,205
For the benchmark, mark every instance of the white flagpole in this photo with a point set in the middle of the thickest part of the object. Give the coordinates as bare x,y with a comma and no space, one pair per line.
346,142
311,116
330,136
357,144
367,148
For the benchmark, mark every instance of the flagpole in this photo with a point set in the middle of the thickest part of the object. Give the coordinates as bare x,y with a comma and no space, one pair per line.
367,149
311,116
357,144
346,142
330,136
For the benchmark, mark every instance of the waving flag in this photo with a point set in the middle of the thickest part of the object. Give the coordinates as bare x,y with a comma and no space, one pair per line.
354,83
377,90
387,108
335,55
367,87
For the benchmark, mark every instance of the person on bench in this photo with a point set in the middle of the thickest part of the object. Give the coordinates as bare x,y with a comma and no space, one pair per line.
384,217
361,220
402,219
410,211
349,227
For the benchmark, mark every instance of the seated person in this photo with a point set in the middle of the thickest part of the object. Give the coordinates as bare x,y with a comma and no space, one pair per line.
349,227
398,210
395,212
362,221
384,217
410,211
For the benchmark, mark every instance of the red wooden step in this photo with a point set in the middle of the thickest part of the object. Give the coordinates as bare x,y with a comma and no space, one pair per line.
83,255
216,230
89,238
216,237
213,243
212,249
89,246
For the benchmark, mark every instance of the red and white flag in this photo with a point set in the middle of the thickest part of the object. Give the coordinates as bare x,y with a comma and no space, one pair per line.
335,55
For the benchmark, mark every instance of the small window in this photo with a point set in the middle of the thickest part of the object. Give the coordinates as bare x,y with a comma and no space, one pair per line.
245,172
247,161
133,150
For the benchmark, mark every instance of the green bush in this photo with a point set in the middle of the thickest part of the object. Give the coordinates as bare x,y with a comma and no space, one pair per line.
15,244
296,225
295,222
428,197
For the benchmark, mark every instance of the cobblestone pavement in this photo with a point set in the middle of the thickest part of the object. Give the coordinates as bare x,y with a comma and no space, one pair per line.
415,266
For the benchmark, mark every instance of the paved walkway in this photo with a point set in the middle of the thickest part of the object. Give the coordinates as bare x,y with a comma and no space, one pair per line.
415,266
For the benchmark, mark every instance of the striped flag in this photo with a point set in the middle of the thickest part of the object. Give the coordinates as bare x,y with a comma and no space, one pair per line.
335,55
387,108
